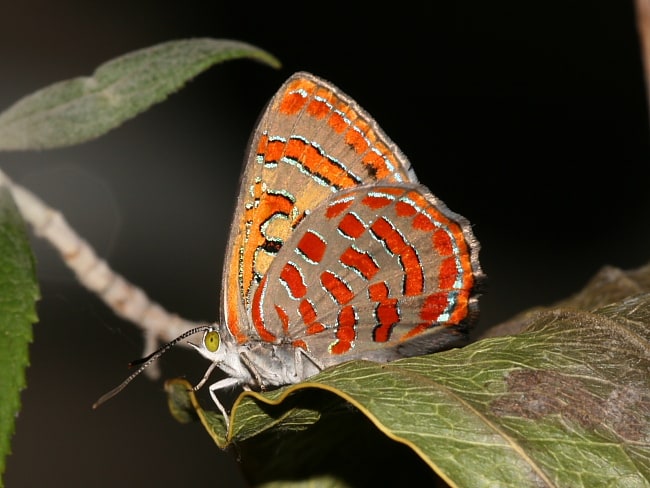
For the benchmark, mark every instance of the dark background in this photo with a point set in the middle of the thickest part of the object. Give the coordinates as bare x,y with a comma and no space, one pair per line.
528,118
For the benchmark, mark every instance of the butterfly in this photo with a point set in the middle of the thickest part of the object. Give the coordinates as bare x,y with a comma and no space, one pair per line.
336,252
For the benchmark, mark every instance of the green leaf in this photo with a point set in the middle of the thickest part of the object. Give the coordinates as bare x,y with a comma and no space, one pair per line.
564,403
18,294
77,110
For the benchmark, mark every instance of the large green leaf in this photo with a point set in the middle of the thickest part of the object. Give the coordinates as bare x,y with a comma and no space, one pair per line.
564,403
18,294
77,110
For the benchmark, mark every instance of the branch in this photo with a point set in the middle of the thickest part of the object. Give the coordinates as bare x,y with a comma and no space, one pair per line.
125,299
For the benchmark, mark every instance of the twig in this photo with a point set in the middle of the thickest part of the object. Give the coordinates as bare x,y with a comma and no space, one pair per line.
125,299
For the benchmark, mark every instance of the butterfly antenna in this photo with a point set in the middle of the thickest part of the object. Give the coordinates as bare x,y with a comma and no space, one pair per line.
146,361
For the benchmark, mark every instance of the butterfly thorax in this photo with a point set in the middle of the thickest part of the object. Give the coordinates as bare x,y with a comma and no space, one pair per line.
257,364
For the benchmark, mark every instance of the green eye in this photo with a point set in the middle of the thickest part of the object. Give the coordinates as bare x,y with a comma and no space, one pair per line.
212,340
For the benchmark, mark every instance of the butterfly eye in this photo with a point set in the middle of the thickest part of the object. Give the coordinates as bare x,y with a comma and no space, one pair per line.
212,341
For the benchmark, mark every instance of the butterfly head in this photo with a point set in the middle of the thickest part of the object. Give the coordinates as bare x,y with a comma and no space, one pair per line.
219,347
212,347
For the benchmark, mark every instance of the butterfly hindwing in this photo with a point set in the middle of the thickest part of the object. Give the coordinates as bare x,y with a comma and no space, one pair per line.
375,268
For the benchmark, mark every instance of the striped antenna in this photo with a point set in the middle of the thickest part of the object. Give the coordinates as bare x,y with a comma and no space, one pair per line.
146,361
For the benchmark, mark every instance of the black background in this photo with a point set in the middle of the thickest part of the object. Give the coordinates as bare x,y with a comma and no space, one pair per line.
528,118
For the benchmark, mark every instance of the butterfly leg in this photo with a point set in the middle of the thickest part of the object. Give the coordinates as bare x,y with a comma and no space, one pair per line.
253,370
306,365
222,385
284,368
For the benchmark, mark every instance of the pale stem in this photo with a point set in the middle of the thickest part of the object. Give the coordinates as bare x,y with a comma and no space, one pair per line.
125,299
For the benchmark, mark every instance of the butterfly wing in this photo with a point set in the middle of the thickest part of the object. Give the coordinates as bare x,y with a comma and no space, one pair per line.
375,272
311,142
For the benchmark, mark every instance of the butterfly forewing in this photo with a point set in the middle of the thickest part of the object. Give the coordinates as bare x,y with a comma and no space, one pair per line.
311,142
372,272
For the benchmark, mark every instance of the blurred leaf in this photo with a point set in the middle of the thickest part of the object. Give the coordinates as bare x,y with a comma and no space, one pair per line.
609,285
18,294
77,110
565,403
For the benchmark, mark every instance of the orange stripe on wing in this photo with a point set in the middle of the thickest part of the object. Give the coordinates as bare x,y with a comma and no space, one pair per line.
413,274
455,233
335,209
351,226
447,274
378,165
336,287
442,243
318,109
386,312
258,316
294,100
461,310
309,318
284,318
312,246
360,261
292,103
434,305
294,280
312,159
356,140
345,332
337,122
